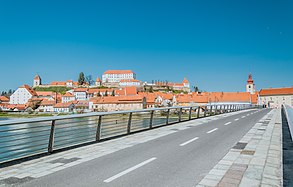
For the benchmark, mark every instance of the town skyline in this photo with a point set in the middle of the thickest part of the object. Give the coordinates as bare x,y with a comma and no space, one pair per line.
214,44
73,75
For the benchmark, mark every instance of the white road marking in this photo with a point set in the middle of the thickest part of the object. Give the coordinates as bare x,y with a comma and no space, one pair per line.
212,131
243,117
129,170
236,119
228,123
188,142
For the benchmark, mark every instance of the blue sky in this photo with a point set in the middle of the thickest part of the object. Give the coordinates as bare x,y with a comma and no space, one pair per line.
215,44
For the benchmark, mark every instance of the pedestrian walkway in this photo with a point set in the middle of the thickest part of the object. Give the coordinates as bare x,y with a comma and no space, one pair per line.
256,160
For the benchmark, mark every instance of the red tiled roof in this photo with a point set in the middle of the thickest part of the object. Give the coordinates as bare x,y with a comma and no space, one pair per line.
102,90
118,72
37,77
45,93
4,99
56,83
117,99
250,81
81,89
129,80
184,98
276,91
47,103
68,94
231,97
29,89
132,90
63,105
185,81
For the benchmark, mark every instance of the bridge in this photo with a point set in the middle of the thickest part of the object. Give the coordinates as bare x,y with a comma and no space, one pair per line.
211,145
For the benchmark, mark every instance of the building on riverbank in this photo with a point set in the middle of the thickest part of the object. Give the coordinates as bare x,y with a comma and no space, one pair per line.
276,97
4,99
22,95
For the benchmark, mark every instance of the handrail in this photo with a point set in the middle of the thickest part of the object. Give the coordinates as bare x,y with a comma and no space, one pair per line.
62,131
288,110
92,114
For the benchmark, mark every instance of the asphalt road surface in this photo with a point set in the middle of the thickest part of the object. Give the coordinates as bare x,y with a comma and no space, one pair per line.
179,159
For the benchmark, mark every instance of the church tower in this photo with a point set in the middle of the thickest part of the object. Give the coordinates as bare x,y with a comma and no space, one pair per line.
98,82
250,86
37,81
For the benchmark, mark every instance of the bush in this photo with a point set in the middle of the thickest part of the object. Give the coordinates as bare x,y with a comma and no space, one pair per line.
58,89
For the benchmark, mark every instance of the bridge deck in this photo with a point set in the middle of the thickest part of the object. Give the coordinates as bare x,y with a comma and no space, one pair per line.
178,155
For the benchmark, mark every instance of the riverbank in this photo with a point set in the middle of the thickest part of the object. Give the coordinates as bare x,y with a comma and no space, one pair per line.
25,115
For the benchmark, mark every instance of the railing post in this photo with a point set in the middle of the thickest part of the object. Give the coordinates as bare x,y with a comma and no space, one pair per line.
129,123
167,117
52,137
211,110
180,114
190,113
198,111
98,134
151,119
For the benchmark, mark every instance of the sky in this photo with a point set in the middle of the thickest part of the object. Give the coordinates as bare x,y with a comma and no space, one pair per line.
214,44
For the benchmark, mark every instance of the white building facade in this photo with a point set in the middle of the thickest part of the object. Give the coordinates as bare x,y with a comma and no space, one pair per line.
130,82
276,97
22,95
81,94
115,76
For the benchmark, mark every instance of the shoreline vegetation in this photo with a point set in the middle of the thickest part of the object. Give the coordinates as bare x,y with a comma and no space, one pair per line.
26,115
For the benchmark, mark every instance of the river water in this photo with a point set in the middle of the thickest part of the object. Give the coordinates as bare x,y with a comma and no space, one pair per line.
22,140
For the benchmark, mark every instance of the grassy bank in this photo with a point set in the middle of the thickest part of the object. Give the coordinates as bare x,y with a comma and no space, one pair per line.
24,115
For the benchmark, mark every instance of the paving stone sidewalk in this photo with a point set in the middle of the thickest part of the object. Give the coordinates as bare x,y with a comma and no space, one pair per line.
254,161
40,167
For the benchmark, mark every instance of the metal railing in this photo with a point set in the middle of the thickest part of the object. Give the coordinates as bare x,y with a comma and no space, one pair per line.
288,110
24,138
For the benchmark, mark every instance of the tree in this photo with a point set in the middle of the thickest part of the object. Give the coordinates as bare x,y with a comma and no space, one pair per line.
106,93
151,89
99,94
113,93
196,89
81,79
10,92
89,79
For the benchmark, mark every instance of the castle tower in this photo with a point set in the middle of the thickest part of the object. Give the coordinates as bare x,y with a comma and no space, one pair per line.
186,83
98,82
250,86
37,81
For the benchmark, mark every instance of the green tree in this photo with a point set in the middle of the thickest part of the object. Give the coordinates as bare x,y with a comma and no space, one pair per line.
99,94
196,89
106,93
81,79
113,93
151,89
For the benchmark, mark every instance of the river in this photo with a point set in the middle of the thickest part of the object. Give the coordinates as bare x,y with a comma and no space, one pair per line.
21,140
